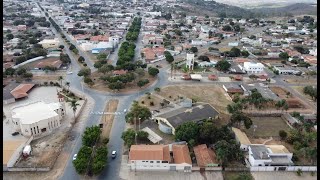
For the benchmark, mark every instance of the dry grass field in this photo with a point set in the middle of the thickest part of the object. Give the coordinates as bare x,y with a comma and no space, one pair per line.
107,119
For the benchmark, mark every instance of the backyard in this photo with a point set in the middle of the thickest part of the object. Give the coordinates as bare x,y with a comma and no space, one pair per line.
266,127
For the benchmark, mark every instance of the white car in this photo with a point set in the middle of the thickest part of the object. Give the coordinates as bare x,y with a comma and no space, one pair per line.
74,157
125,110
70,72
114,154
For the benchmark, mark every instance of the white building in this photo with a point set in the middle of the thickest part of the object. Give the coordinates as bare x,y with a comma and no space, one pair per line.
38,118
269,155
253,68
286,70
154,14
190,61
160,158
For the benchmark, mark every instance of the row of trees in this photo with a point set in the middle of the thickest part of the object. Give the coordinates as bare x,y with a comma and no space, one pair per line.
133,31
126,52
169,57
88,159
30,53
128,136
236,52
20,72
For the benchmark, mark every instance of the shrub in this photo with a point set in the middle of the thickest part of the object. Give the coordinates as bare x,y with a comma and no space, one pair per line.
151,103
105,141
142,102
51,83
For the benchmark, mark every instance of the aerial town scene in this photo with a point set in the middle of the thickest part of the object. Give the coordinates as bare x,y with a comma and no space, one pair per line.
159,90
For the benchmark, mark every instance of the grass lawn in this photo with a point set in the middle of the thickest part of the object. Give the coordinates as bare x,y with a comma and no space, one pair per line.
229,175
267,126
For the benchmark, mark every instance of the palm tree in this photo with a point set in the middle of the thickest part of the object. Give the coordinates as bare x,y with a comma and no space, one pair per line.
60,78
74,103
68,85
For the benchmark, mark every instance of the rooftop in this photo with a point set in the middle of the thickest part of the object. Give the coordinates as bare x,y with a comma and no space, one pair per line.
278,149
34,112
204,156
9,147
196,113
181,154
149,152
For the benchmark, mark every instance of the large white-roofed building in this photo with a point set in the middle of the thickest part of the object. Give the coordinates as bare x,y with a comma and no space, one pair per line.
38,118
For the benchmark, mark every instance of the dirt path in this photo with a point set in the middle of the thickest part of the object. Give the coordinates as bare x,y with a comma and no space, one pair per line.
107,120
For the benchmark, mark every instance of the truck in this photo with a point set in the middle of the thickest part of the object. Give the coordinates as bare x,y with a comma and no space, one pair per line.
196,77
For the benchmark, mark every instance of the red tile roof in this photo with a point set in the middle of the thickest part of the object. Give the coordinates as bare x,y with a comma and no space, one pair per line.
181,154
99,38
21,90
204,155
149,152
119,72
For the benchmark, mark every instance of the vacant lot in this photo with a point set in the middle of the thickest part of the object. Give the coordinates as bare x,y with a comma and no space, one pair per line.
107,120
267,127
212,94
302,81
229,175
147,101
299,89
292,101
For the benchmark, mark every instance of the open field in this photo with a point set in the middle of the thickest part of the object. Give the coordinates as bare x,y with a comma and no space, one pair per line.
107,120
212,94
293,102
145,101
299,89
311,81
100,85
267,127
44,77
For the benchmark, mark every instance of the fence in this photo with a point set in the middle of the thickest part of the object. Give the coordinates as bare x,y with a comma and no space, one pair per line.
284,168
30,169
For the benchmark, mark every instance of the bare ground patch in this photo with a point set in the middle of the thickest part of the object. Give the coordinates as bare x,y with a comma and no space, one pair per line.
107,120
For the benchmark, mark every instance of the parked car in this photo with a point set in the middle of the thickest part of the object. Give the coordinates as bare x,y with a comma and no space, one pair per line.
15,133
74,157
114,154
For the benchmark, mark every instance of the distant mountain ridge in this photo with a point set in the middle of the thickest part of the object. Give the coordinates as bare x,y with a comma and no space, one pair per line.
222,9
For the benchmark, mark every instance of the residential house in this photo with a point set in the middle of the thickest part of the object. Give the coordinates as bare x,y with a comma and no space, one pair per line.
119,72
14,91
99,38
205,157
171,157
232,88
286,70
152,39
309,59
22,27
269,155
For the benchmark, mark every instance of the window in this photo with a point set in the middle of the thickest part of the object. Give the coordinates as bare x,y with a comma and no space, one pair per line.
143,161
151,161
164,161
158,161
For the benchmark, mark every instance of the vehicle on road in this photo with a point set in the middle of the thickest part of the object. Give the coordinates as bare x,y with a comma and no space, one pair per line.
15,133
114,154
74,157
70,72
125,110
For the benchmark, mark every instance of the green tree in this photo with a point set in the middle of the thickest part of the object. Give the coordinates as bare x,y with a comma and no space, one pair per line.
153,71
9,36
9,71
102,56
142,82
61,46
227,28
91,135
116,85
239,117
106,68
81,163
81,59
194,49
74,106
187,131
88,81
284,55
100,160
137,112
142,135
245,53
283,134
84,72
128,137
223,65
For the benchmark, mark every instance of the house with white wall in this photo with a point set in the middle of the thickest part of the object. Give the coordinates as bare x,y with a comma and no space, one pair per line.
170,157
269,155
252,67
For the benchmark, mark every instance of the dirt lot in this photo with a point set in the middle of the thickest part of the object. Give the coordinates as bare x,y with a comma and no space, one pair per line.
302,80
146,102
299,89
212,94
293,102
267,127
108,118
45,150
228,175
46,77
100,85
